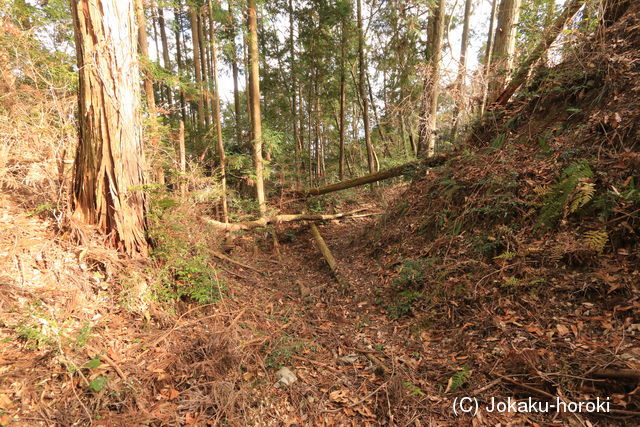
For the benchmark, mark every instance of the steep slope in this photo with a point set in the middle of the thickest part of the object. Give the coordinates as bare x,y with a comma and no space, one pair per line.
524,247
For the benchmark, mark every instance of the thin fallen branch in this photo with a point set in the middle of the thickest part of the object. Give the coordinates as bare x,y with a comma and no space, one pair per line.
487,387
232,261
277,219
552,397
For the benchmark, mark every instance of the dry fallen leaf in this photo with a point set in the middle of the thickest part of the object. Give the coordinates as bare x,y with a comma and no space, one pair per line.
339,396
562,330
5,401
535,330
173,393
364,411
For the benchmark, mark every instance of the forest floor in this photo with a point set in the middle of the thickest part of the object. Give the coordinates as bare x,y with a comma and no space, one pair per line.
76,352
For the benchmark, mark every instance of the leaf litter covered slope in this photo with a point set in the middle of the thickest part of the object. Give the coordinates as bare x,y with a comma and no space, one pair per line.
526,245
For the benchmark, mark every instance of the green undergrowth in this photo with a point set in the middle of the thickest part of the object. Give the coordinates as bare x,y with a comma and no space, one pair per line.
572,191
182,251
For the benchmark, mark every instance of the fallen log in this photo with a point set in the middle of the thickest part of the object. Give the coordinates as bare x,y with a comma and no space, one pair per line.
377,176
276,219
326,253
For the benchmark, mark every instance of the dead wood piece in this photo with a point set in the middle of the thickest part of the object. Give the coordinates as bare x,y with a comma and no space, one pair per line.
380,366
326,253
377,176
232,261
263,222
625,374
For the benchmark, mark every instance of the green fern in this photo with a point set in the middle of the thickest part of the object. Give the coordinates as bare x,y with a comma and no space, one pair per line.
596,240
458,379
582,195
558,199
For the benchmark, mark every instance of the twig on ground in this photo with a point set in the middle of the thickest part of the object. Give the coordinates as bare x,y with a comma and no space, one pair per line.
238,263
486,387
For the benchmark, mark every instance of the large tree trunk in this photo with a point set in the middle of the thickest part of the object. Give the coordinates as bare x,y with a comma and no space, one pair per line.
462,71
486,72
278,219
551,34
343,96
256,120
206,94
216,114
178,35
143,43
381,133
427,141
165,52
328,256
247,85
193,17
182,166
363,92
504,45
377,176
294,94
109,161
234,68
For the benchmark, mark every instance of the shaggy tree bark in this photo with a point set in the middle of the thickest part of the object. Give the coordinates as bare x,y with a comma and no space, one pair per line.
109,175
256,120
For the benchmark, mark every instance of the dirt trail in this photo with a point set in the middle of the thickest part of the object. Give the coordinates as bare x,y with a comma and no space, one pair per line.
356,364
